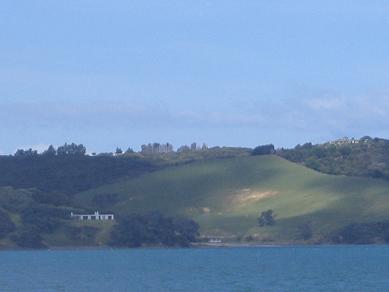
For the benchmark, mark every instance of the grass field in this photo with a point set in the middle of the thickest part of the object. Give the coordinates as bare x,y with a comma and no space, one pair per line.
226,196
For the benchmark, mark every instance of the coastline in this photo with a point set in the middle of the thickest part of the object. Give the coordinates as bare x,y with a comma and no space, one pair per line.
193,246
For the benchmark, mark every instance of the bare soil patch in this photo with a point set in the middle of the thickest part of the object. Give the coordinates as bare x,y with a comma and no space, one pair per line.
246,196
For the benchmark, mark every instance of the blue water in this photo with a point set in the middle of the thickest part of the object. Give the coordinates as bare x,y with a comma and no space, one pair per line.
318,268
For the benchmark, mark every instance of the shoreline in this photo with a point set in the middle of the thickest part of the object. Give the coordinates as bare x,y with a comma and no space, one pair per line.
195,246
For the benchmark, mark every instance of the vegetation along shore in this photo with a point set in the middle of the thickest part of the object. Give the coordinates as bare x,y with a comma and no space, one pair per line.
331,193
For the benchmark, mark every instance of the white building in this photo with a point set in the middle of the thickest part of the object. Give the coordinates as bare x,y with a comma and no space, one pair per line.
345,140
95,216
215,240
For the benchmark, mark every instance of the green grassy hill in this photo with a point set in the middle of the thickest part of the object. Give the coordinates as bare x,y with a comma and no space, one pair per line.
226,196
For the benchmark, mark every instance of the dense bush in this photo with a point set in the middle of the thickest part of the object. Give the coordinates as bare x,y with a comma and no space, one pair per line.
263,150
6,224
369,157
15,200
83,235
305,231
154,229
362,233
51,198
67,174
266,218
28,237
44,218
67,170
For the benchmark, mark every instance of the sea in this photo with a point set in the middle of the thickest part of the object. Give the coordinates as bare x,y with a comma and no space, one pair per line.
265,268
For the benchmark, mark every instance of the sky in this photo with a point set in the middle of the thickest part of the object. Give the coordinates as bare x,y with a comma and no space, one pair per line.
237,73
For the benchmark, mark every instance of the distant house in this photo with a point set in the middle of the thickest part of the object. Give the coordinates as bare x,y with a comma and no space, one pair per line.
215,240
344,140
95,216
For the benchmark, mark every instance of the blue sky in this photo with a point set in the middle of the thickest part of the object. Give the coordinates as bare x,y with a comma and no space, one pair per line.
239,73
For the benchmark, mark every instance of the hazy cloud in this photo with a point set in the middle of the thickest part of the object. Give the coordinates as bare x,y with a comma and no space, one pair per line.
326,103
283,122
118,114
333,111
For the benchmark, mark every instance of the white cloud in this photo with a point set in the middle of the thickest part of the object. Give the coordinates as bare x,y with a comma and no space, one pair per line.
351,105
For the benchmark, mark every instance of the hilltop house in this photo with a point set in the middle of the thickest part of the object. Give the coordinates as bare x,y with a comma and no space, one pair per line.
95,216
344,140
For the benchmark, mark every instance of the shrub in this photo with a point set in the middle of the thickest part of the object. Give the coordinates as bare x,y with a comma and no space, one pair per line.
154,229
6,224
263,150
266,218
28,237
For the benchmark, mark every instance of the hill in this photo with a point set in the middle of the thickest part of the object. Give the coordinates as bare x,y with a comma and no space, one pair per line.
36,194
363,157
68,174
226,197
68,170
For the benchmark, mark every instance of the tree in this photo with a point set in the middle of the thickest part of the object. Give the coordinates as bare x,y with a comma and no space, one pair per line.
193,146
19,153
144,149
129,150
266,218
118,151
71,150
6,224
28,237
51,151
44,218
305,231
26,153
183,148
169,148
154,229
263,150
155,147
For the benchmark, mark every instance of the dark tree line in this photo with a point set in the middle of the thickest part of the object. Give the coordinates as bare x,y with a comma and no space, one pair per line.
364,157
193,147
362,233
264,150
154,229
67,170
6,224
80,150
64,150
156,148
34,218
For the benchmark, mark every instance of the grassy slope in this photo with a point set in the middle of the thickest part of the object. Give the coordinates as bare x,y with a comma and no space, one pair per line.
226,196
